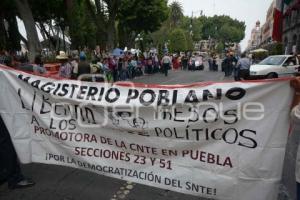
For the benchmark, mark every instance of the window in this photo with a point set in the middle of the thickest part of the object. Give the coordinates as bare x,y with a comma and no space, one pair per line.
273,60
290,62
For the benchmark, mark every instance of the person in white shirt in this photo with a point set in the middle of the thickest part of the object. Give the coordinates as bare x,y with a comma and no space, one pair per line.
166,64
295,115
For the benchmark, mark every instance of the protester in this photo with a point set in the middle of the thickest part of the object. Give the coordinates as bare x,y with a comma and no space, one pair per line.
192,62
5,58
65,70
210,63
229,64
149,65
74,61
132,65
124,69
215,65
83,66
113,68
295,115
166,63
242,68
175,61
10,170
120,65
156,63
139,69
184,62
38,67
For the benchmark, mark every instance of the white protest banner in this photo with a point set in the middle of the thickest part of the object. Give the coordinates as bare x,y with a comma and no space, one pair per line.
217,140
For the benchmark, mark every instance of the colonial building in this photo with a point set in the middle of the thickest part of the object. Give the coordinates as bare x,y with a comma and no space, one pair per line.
255,39
291,27
267,28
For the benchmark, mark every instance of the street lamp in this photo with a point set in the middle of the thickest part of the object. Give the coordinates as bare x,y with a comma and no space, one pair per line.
139,39
166,50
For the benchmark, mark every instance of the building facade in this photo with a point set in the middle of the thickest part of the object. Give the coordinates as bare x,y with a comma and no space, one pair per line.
291,27
267,28
256,37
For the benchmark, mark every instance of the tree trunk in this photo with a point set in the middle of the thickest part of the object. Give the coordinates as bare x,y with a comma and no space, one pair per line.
111,34
13,33
3,33
47,34
112,6
25,12
98,19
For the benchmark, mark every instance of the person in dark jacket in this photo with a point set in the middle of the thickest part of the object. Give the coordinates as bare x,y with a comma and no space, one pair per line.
229,64
10,170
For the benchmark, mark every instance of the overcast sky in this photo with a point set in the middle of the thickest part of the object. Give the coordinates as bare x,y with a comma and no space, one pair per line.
243,10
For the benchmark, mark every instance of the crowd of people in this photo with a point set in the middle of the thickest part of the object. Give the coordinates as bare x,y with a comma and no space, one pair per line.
128,66
111,67
239,67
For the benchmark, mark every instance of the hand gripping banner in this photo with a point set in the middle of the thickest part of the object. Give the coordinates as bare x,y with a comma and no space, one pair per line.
216,140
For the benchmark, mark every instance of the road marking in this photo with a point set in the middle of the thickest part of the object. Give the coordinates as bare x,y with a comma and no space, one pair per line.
123,191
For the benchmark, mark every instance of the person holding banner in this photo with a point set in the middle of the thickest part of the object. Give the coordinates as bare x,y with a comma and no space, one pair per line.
10,170
295,115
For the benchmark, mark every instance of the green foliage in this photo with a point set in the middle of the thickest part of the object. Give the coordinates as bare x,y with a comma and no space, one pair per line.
142,16
275,49
162,35
178,41
220,47
197,26
189,42
135,16
176,14
10,39
223,28
258,56
45,10
81,27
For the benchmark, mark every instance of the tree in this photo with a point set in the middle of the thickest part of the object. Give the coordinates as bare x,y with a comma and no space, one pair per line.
9,33
178,41
176,13
196,28
50,18
220,47
112,6
26,15
223,28
137,16
82,27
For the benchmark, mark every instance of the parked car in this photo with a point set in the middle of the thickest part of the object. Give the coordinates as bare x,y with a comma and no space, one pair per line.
275,66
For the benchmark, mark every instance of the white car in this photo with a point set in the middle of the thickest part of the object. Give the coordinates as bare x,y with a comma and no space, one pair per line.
275,66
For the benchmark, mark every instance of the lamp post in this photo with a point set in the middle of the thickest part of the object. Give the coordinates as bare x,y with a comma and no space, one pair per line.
166,50
139,39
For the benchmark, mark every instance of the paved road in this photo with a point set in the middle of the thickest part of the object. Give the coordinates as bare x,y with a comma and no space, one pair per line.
62,183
